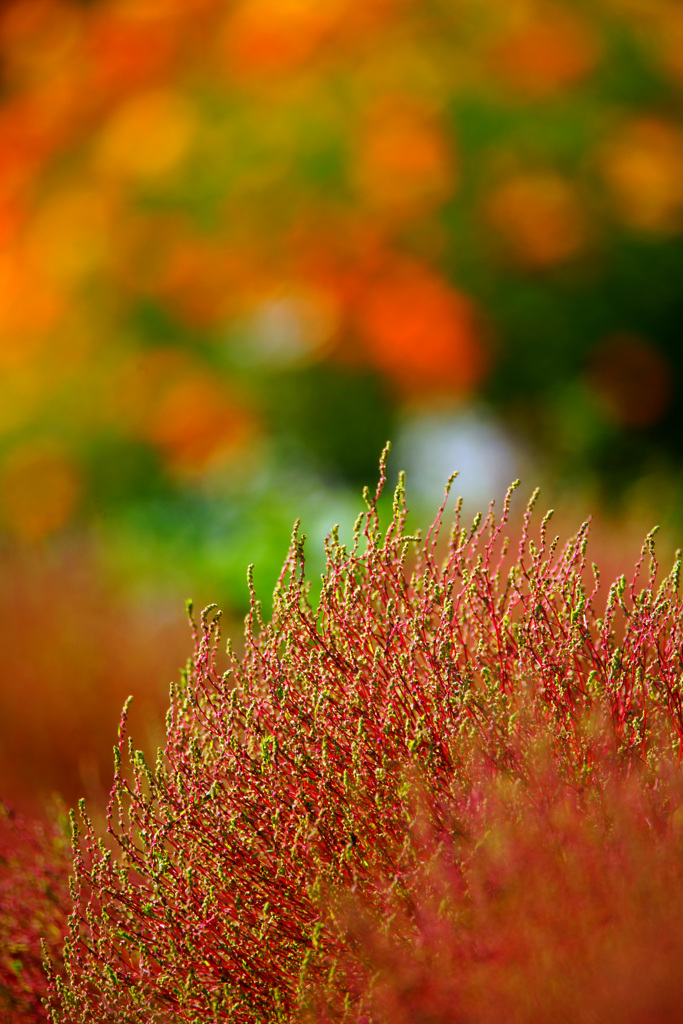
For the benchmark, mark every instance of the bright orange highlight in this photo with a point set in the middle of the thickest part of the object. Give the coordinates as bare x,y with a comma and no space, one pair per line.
421,331
126,53
148,136
271,36
406,164
643,167
539,217
29,307
39,488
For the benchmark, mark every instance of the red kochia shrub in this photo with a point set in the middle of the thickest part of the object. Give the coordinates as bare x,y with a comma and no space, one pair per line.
34,868
450,791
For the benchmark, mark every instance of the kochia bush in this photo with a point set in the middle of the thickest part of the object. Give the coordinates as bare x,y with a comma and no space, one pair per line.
34,869
448,791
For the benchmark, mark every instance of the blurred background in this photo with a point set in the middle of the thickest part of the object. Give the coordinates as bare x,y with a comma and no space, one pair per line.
245,242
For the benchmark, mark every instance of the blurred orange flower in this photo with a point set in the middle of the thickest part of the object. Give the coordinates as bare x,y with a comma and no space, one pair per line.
69,234
551,48
29,308
137,380
26,138
670,41
147,136
643,167
38,38
171,401
539,217
128,52
406,162
195,422
40,485
421,331
271,36
199,278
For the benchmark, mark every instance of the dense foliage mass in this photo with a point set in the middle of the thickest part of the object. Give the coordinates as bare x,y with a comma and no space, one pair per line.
214,212
73,647
449,791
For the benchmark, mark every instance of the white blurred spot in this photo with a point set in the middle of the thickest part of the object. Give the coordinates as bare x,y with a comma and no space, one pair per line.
432,445
285,329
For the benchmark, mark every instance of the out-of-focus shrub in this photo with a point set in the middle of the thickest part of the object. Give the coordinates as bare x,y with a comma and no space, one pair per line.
449,790
73,649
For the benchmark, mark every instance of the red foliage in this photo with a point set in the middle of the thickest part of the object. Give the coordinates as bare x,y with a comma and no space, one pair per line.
551,904
72,650
34,867
448,792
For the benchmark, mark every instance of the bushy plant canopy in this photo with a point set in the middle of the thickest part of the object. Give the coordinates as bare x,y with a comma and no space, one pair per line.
447,790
